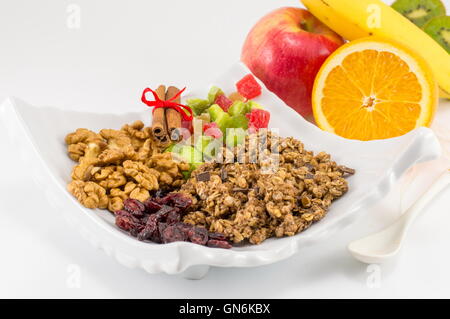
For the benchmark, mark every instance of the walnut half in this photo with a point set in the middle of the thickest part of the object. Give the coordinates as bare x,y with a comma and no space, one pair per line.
90,194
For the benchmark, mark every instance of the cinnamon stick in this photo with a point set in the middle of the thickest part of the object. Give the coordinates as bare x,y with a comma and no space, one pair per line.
159,125
173,116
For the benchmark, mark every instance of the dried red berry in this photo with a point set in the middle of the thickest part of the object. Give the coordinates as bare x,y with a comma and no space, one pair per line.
176,199
161,227
172,234
219,244
160,193
162,223
185,228
198,235
135,231
124,222
134,206
165,210
217,236
150,231
152,206
173,217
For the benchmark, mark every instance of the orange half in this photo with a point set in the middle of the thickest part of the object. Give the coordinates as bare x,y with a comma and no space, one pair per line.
374,88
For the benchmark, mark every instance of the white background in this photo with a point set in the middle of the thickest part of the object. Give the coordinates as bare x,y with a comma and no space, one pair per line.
121,47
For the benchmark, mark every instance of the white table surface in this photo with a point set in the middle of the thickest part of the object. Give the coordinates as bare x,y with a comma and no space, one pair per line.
121,47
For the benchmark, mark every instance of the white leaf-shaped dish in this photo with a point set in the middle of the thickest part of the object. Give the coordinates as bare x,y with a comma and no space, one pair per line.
39,134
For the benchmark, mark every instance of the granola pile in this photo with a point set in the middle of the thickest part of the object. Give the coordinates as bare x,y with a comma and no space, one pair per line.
114,165
248,201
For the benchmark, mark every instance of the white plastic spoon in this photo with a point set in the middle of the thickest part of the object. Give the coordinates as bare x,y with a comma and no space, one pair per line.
380,246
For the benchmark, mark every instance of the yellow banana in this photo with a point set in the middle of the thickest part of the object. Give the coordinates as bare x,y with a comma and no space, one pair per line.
444,95
356,19
331,18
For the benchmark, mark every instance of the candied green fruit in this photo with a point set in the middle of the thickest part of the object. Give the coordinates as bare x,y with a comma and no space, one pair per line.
253,105
198,105
235,136
214,92
238,121
214,111
238,108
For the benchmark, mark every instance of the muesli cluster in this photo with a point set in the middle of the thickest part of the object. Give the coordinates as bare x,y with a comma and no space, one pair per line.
248,201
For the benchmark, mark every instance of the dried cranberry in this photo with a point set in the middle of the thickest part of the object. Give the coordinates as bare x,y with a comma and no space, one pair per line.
173,217
161,227
137,230
165,210
144,219
176,199
126,221
198,235
161,193
134,206
153,219
217,236
151,227
152,206
124,213
163,223
218,244
149,233
121,213
156,237
172,234
185,228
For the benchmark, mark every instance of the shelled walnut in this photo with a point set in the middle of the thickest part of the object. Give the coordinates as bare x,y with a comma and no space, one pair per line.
114,165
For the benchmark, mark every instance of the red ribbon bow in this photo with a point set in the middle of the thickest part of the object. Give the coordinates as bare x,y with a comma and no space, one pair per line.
157,103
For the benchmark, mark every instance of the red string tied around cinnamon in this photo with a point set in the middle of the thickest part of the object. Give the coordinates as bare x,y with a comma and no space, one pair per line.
158,103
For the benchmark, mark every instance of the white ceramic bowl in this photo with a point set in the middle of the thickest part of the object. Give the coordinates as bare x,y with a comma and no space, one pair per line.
39,135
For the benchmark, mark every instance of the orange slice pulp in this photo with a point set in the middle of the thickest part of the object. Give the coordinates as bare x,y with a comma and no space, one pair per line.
373,88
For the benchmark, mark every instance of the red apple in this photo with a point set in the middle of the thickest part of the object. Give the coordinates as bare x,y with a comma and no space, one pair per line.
285,50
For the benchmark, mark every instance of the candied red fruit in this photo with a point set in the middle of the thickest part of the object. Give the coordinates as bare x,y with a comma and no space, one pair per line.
248,87
211,129
258,119
188,129
224,102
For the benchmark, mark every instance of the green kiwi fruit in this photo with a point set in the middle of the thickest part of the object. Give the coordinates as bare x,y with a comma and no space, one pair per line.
419,12
439,29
